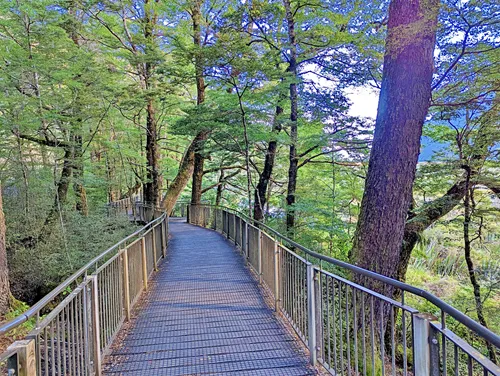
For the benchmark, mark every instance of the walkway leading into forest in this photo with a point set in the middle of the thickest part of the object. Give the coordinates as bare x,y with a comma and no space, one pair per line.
204,314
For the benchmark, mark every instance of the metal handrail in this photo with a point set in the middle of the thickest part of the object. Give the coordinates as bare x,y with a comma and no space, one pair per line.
37,307
477,328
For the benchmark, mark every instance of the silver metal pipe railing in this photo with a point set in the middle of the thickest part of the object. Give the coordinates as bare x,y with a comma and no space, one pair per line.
349,328
92,304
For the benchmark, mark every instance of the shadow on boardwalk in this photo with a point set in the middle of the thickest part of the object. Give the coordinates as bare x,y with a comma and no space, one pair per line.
204,314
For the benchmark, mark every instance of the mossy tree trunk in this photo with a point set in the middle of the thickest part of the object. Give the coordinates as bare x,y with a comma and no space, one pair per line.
199,157
293,167
152,185
184,173
4,270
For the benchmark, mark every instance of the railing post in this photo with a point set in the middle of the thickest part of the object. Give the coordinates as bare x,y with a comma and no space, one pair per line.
227,222
276,277
434,349
126,286
424,346
166,232
86,329
234,228
215,219
241,236
247,242
163,238
25,361
259,255
155,257
318,319
311,314
96,329
144,263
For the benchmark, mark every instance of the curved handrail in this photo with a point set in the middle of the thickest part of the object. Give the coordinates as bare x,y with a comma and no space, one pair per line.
477,328
37,307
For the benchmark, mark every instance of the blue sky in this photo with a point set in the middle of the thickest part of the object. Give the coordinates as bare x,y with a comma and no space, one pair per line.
364,103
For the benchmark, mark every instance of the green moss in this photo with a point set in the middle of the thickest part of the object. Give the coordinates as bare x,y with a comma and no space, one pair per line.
18,307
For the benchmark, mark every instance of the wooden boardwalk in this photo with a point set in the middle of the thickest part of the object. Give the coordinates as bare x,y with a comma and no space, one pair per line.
204,315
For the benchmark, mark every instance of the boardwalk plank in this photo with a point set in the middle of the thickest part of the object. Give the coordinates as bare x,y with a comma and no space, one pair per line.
205,315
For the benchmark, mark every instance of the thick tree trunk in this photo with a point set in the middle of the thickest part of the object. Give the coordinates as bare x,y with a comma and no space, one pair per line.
61,192
220,188
185,172
78,169
152,186
199,157
403,105
199,163
293,167
4,270
113,192
265,176
78,187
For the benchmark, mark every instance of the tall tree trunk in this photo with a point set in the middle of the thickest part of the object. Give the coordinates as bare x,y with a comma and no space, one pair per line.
199,158
78,168
152,186
4,270
24,170
220,188
468,211
403,105
78,187
184,173
151,189
113,193
62,188
265,176
293,167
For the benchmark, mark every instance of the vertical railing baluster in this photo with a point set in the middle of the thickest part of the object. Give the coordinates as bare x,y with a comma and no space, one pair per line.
96,344
144,263
318,312
276,258
259,255
311,314
155,258
126,284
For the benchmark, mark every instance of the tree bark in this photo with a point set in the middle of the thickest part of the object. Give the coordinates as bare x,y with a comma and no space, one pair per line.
152,186
4,270
220,189
199,157
468,211
78,187
78,173
185,172
261,189
403,105
293,158
62,188
62,185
